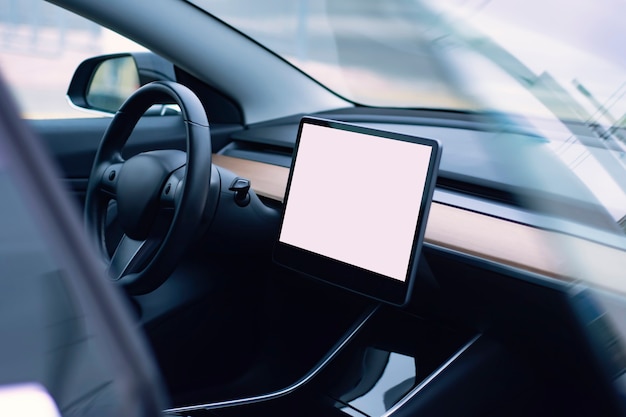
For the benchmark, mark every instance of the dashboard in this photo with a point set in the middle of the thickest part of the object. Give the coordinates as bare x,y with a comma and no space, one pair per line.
498,322
490,232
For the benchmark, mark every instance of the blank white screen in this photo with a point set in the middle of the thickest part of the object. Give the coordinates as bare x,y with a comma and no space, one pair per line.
356,198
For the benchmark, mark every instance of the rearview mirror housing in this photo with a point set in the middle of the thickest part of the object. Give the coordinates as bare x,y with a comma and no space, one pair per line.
104,82
112,81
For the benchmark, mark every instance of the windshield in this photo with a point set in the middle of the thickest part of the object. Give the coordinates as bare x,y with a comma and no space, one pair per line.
557,66
452,54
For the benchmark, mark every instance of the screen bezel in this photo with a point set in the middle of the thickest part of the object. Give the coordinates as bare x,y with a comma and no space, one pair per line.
351,277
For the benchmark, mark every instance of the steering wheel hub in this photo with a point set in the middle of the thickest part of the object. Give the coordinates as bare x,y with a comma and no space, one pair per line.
139,186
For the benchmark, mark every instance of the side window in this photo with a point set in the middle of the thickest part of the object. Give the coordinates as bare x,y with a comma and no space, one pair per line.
40,47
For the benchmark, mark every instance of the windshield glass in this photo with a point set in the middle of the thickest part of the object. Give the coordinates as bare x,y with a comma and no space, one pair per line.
558,67
452,54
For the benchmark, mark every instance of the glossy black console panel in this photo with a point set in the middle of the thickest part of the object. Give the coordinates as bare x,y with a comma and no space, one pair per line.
372,370
386,363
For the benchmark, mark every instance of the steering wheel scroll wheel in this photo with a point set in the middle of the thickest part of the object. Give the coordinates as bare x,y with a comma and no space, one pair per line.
161,195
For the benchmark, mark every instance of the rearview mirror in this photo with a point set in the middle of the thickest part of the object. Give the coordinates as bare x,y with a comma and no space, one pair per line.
104,82
113,81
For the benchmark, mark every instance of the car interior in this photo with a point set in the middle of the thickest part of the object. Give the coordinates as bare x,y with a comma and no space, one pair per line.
205,194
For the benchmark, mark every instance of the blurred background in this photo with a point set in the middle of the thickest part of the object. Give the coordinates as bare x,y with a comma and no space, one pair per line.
40,47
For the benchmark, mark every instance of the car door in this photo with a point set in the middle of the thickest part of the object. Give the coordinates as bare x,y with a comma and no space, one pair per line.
69,345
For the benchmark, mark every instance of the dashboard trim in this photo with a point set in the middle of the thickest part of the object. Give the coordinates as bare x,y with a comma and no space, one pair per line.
333,353
517,245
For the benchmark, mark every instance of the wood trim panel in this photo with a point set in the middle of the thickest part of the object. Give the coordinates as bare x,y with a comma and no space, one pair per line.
545,252
266,180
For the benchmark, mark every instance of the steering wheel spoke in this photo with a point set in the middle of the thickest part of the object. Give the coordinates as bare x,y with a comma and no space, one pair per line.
126,257
133,255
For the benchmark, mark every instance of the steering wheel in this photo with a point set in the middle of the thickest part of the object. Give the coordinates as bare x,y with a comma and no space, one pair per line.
161,195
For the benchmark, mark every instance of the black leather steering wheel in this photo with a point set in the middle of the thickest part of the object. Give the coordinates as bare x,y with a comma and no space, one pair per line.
161,195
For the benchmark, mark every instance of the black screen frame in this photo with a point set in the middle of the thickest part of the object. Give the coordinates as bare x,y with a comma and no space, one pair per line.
351,277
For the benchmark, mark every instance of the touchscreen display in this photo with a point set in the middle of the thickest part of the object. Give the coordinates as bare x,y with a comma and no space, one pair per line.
356,205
